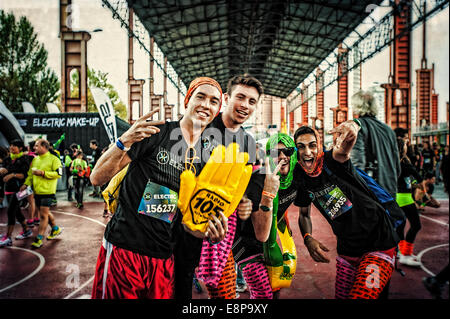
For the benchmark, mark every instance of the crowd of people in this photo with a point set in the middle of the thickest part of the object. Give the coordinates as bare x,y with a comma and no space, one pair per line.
30,176
28,181
297,171
199,200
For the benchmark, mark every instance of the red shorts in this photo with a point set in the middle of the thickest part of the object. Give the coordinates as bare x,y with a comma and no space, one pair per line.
122,274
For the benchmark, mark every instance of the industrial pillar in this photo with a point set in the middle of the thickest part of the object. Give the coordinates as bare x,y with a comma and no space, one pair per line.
434,100
167,107
340,113
304,98
398,90
135,87
427,99
73,58
283,126
291,123
155,99
320,103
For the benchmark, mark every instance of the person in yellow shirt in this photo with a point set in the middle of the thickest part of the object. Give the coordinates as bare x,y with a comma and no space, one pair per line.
45,169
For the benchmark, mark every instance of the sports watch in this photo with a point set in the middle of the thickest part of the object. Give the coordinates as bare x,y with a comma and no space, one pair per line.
265,208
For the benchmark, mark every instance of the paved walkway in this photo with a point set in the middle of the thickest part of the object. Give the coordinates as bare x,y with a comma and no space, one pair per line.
64,268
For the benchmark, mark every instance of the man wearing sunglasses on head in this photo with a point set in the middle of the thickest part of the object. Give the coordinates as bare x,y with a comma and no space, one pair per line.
271,191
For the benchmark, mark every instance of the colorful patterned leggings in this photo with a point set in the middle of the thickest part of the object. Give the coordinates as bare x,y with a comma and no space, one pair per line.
256,277
226,288
363,277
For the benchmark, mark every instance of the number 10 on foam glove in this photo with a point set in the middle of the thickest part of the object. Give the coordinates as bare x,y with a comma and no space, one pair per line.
219,187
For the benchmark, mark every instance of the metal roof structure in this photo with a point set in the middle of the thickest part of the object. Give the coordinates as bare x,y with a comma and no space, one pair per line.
278,42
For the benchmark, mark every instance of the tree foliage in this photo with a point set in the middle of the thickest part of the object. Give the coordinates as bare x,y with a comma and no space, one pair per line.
24,73
99,79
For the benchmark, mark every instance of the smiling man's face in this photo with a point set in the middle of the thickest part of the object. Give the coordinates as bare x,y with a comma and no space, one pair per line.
241,103
307,150
204,104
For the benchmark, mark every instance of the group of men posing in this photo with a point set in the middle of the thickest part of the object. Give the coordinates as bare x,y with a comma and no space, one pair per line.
149,254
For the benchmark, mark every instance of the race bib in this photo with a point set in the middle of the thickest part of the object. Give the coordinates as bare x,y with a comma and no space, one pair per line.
158,202
334,203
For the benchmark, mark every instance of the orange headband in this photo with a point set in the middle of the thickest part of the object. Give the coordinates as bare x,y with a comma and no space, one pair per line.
200,81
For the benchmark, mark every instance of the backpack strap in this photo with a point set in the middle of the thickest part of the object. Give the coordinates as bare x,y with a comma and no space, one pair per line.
363,183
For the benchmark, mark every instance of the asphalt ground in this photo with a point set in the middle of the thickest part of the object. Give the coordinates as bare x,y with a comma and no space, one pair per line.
64,268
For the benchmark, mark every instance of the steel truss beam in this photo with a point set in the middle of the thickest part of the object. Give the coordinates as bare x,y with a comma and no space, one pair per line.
373,41
124,23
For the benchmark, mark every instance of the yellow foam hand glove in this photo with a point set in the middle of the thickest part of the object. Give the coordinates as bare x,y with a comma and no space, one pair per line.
218,188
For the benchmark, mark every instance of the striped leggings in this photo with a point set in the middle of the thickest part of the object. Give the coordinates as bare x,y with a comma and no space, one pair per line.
363,277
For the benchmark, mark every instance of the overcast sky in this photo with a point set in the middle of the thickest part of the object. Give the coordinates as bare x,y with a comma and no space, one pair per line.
108,50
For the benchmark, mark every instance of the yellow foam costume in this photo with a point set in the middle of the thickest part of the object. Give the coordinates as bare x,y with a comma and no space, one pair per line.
218,188
111,192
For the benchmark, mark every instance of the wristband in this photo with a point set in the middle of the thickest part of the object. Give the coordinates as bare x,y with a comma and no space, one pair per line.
122,147
306,235
270,195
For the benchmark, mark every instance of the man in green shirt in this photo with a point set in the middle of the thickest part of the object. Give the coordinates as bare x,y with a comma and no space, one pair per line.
45,169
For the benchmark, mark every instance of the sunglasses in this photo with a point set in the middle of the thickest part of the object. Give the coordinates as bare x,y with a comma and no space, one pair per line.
288,151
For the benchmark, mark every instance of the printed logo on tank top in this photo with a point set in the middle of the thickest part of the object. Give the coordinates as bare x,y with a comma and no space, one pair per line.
332,200
165,157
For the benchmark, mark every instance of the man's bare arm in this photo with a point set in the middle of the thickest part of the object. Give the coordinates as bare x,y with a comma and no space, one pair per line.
315,248
110,163
304,220
262,221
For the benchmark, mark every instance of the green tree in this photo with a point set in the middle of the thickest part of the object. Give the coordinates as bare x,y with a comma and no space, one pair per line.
24,74
99,79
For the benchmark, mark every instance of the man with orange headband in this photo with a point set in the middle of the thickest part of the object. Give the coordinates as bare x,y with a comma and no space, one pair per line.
366,239
136,258
242,97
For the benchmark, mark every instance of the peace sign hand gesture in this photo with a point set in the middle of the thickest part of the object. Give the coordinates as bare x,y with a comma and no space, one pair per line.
143,127
272,181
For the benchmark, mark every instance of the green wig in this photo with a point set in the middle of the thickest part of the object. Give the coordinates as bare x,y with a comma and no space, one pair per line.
285,181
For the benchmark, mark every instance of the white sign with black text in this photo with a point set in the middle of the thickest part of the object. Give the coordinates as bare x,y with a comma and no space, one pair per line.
106,112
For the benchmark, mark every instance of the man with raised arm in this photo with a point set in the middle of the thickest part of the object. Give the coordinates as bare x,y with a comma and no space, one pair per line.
136,258
366,240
